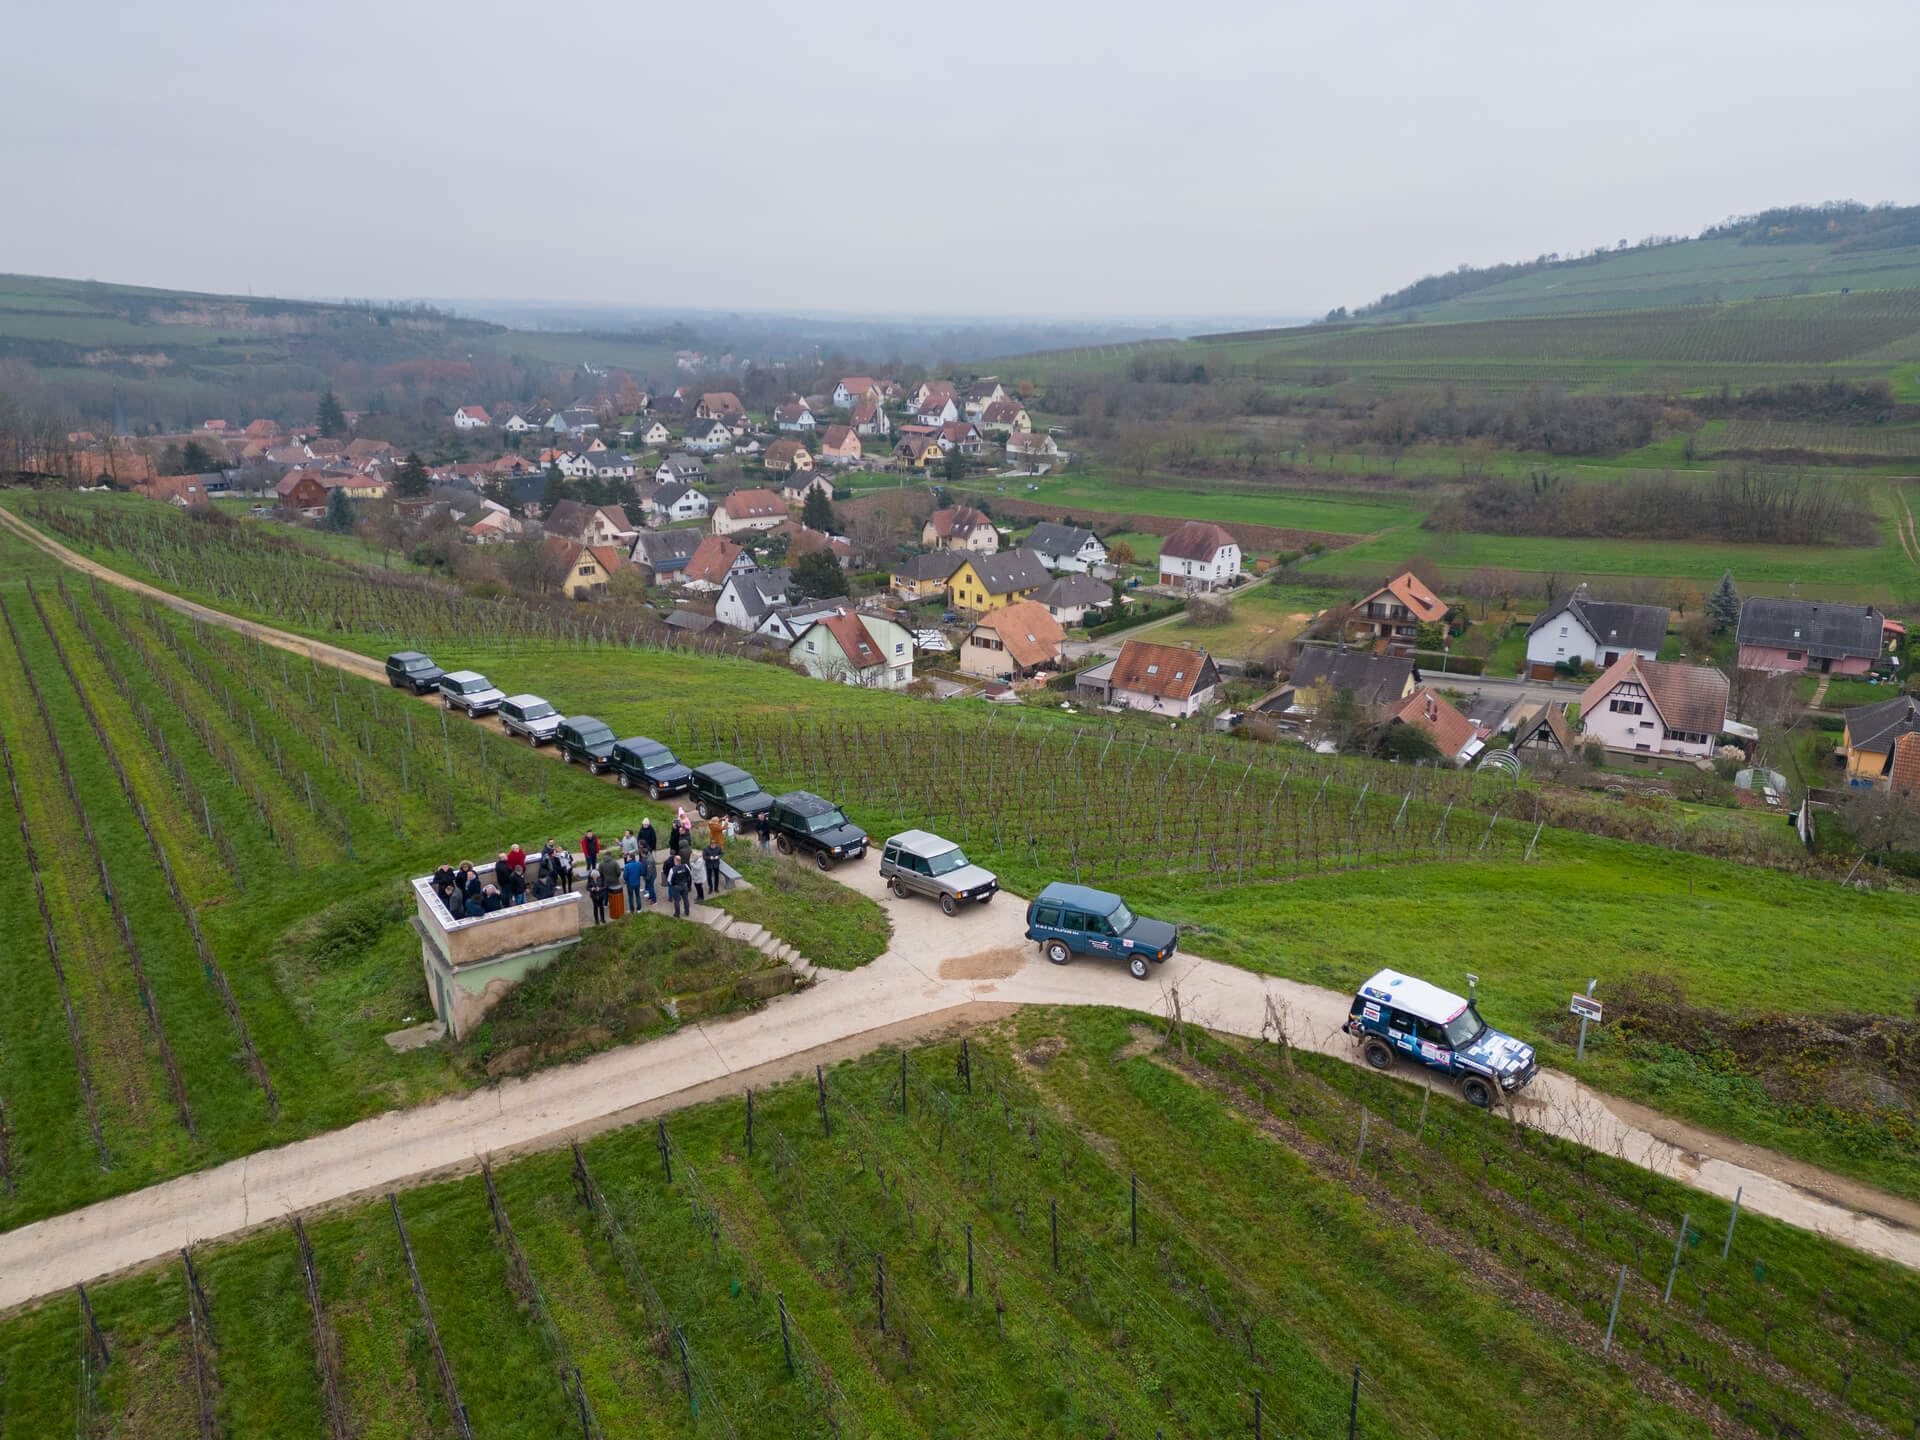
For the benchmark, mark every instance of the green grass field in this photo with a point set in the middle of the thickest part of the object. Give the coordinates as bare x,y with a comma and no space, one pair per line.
1102,490
1081,1226
1263,617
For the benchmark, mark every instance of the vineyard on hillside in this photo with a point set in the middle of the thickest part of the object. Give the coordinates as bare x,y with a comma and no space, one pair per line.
1069,1226
1880,442
180,795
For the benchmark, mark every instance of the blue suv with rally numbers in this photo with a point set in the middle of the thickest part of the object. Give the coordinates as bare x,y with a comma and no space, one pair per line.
1395,1014
1069,920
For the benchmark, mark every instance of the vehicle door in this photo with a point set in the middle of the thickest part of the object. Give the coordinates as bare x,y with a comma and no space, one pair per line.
1403,1031
890,861
1101,939
1073,928
1434,1048
1046,923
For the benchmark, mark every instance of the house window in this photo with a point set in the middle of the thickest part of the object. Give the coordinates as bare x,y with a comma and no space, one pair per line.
1626,707
1563,632
1153,669
810,646
1796,654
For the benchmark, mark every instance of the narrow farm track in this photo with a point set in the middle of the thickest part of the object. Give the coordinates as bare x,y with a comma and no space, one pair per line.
936,974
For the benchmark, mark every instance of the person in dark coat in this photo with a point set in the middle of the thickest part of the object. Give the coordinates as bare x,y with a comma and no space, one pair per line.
561,868
610,868
597,893
679,882
630,872
590,849
501,869
456,902
443,878
649,870
711,858
543,885
763,828
516,886
648,840
490,900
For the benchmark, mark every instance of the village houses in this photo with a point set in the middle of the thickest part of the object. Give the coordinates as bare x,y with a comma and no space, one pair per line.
1397,610
1171,680
988,582
1655,707
579,571
471,417
757,509
787,455
1580,630
1199,557
1882,739
1013,643
1065,547
960,527
1815,636
1456,737
856,648
590,524
713,561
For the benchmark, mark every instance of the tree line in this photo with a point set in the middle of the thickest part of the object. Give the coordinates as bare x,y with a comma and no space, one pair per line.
1748,504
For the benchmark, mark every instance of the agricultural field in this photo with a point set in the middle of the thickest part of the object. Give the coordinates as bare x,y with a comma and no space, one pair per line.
1068,1224
1100,489
1876,442
1053,795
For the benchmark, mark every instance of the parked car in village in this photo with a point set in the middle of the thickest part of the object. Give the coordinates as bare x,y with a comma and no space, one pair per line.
1069,920
1395,1014
804,823
583,740
410,670
529,716
470,691
722,789
917,862
648,765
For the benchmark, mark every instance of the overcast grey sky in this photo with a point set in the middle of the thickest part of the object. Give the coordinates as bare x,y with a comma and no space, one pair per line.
1110,158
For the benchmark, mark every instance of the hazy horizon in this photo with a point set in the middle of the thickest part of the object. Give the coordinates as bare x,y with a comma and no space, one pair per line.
1241,163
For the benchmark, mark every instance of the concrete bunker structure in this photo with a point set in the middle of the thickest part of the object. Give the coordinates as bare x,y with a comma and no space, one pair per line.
470,964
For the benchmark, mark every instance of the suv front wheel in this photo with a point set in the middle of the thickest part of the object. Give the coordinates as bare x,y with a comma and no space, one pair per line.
1057,951
1378,1054
822,860
949,905
1137,967
1477,1091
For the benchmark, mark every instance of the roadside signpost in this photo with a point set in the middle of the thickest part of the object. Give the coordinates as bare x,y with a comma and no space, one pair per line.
1588,1009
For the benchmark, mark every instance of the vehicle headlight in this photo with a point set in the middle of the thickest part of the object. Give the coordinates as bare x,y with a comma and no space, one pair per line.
836,849
960,895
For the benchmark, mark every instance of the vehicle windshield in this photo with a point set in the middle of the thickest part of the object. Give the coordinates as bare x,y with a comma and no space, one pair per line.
423,663
826,820
1465,1028
539,710
947,861
1120,918
595,735
473,686
740,787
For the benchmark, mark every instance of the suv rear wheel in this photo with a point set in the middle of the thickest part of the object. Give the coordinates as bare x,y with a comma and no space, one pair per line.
626,781
566,755
898,887
949,905
706,810
1378,1054
1477,1091
1057,951
784,843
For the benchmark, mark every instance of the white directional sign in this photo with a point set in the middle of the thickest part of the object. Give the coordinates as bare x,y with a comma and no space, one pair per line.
1585,1006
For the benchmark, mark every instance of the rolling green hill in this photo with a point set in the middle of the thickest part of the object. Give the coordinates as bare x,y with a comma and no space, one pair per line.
173,356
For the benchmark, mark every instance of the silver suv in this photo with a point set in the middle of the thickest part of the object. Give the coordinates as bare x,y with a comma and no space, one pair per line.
470,691
917,862
530,717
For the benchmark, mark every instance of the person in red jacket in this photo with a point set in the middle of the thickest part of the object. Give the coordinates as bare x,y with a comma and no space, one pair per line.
590,847
516,856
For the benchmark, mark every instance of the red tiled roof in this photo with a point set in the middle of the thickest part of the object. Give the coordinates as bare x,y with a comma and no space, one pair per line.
1197,540
958,520
856,642
1031,635
1411,591
1169,671
712,560
754,504
1429,710
839,437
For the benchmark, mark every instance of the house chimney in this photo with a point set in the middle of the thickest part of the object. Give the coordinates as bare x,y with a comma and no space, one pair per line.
1433,708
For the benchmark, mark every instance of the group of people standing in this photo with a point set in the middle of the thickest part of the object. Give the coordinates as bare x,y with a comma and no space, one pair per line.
469,891
687,867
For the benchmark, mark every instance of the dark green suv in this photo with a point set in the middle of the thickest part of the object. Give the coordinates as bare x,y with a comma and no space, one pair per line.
583,740
648,764
804,823
722,789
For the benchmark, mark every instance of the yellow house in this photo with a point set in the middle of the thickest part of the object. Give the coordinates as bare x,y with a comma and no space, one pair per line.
990,582
577,570
1871,737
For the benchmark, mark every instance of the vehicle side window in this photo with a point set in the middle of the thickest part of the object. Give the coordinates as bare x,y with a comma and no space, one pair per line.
1399,1022
1074,920
1048,915
892,857
920,865
1434,1034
